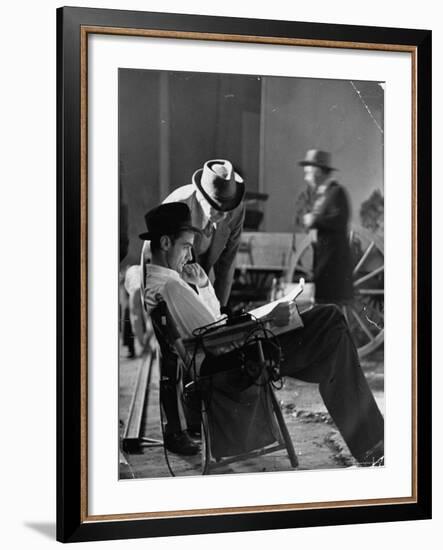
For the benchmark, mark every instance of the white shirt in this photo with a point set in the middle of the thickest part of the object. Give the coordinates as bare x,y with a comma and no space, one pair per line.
188,309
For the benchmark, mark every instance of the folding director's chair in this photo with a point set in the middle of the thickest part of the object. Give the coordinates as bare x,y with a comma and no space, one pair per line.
238,421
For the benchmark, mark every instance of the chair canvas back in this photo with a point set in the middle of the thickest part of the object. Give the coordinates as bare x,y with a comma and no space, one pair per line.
165,330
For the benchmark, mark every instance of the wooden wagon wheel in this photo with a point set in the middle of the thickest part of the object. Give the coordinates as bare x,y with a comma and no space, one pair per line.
365,313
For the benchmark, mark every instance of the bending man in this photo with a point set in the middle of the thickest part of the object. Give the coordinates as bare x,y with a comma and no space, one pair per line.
215,200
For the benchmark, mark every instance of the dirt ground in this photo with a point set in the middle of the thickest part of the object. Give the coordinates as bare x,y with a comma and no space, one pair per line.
317,442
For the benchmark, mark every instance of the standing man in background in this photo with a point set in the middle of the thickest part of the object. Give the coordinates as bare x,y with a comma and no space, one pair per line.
329,218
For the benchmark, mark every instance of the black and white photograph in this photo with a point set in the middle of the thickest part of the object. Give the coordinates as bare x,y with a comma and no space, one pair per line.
251,275
218,249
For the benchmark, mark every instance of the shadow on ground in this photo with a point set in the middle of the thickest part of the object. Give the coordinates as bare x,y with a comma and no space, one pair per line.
46,529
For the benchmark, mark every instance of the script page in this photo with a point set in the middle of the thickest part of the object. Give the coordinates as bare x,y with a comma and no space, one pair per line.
265,311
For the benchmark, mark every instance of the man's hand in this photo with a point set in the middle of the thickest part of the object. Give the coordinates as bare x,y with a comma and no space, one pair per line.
308,219
282,313
195,275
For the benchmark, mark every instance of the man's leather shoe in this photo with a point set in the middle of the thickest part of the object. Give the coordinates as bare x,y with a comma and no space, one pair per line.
374,456
195,431
181,443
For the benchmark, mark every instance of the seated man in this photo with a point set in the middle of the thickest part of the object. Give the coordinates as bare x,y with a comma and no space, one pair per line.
322,351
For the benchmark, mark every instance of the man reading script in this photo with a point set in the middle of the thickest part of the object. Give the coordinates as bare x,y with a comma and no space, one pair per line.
321,351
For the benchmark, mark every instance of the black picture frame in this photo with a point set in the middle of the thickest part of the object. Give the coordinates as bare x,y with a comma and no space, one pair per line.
73,523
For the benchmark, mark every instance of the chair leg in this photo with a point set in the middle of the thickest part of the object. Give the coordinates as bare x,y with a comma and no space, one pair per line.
206,442
284,430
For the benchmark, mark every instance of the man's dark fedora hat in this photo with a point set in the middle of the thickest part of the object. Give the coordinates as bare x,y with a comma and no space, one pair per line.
168,219
315,157
219,184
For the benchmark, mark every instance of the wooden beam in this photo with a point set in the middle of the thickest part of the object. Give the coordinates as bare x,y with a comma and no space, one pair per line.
139,402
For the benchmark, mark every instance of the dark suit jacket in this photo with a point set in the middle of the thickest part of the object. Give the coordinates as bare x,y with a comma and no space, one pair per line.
332,253
225,240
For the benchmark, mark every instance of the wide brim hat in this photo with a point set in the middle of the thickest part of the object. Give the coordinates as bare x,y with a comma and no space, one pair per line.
168,219
220,185
316,157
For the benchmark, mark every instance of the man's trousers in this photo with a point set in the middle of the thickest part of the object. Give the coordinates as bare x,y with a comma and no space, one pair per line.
323,352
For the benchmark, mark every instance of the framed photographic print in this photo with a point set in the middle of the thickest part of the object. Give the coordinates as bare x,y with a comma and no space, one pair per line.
244,241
